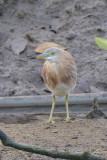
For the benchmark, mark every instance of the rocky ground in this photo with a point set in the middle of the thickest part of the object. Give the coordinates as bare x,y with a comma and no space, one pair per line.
25,24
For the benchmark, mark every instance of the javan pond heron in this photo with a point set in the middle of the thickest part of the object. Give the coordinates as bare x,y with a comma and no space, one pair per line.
59,74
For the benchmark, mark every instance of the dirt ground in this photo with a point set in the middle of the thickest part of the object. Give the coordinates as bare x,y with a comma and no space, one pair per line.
76,137
55,21
70,23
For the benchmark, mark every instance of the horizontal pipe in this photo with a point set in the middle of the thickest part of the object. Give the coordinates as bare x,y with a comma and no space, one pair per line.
21,101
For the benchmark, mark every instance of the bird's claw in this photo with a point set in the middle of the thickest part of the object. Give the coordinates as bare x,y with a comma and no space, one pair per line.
50,121
67,120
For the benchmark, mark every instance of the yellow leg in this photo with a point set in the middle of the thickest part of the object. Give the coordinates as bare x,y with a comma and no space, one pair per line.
67,110
52,109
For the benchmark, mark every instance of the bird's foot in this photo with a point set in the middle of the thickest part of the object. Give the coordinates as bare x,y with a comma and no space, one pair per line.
50,121
67,120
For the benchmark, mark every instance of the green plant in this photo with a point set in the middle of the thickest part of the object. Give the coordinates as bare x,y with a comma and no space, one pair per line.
101,42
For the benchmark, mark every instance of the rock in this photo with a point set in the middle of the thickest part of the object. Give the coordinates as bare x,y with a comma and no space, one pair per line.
18,45
71,34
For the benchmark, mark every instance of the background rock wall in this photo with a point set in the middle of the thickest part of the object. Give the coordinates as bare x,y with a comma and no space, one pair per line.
70,23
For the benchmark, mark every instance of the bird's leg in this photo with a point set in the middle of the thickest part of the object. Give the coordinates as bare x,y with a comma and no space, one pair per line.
52,109
67,110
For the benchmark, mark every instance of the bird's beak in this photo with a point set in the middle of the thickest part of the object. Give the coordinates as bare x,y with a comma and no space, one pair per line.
40,56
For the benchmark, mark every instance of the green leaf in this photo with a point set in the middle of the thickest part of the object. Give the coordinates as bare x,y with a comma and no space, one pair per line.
101,42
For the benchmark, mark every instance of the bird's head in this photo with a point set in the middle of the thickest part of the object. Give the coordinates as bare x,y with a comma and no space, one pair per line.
50,54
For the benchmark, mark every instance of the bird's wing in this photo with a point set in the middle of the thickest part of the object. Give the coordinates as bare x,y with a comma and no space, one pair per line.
50,77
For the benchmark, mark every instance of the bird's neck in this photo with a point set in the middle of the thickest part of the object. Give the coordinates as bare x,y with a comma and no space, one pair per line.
54,61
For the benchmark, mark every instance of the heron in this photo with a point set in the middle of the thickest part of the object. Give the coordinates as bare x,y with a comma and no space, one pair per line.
59,74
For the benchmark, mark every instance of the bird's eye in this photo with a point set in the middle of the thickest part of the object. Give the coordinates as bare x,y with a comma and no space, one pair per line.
53,53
